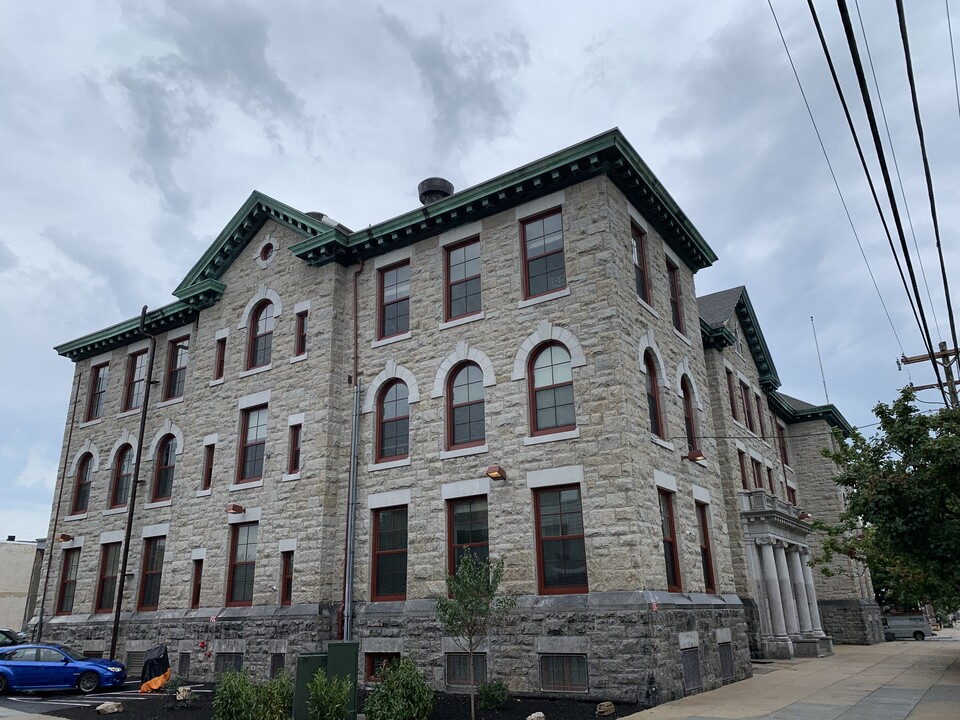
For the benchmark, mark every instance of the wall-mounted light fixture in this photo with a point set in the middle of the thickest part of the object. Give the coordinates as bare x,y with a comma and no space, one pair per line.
234,509
695,455
64,537
495,472
804,516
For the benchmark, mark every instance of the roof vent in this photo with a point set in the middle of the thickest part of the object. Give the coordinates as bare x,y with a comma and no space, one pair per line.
433,189
11,538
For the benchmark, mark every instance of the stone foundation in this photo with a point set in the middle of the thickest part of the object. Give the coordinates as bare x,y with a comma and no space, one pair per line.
851,622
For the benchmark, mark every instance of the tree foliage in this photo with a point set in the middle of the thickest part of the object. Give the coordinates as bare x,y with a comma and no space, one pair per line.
903,504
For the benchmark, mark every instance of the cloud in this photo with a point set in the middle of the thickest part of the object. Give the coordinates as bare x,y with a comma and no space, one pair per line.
40,471
470,84
8,258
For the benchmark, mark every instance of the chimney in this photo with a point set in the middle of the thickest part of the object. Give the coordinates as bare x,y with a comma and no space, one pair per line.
11,538
433,189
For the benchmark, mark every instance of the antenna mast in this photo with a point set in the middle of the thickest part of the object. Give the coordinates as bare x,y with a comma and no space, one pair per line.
820,360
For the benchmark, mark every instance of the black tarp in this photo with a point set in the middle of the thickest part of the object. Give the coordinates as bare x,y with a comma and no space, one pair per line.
155,663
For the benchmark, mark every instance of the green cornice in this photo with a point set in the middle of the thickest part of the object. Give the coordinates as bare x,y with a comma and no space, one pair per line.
769,380
715,337
829,413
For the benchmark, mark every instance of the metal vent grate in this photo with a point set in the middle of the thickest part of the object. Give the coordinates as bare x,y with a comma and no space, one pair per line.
727,672
277,663
93,653
183,665
690,658
135,664
227,661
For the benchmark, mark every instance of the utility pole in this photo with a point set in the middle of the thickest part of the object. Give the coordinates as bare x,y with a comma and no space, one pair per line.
945,358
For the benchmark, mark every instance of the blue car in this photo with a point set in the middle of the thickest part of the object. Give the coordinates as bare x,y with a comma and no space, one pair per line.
56,667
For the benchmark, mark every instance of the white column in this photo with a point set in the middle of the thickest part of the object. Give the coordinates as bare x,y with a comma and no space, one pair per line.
811,596
773,589
799,588
786,591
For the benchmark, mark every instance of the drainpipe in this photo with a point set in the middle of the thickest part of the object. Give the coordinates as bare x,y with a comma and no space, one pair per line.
134,482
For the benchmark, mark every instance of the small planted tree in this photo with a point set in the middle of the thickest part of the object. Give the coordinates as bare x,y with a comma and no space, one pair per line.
473,607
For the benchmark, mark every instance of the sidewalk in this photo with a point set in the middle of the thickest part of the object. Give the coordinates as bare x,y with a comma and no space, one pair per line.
890,681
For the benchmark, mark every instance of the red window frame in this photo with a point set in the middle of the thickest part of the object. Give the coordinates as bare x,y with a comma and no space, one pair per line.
542,587
178,357
450,284
220,358
152,568
379,553
564,669
689,419
246,444
641,274
453,406
528,258
670,542
770,481
383,304
80,502
742,456
239,564
676,296
760,422
375,662
706,551
66,594
791,495
782,443
107,577
757,473
653,395
135,386
206,476
165,460
464,535
195,583
382,420
300,338
533,390
260,330
747,406
97,392
732,395
286,577
121,480
293,456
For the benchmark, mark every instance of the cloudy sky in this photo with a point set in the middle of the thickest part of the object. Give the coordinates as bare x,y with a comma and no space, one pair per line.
132,132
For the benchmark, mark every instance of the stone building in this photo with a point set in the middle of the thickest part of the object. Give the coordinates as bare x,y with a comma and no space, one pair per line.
331,418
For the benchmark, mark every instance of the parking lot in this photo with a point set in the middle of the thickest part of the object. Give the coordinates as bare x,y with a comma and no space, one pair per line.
67,703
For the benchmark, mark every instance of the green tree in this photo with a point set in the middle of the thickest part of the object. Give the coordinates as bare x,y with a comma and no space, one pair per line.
903,504
473,607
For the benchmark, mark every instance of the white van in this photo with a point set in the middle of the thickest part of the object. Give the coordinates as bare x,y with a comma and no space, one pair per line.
897,627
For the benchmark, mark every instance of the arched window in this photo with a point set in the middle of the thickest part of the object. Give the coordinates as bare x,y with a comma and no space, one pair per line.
689,421
551,390
81,490
393,423
261,335
164,465
653,395
465,413
122,475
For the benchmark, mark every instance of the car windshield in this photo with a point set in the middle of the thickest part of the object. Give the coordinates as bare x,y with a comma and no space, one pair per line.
72,654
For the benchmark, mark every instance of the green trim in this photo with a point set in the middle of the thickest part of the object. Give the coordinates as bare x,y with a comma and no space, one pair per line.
716,337
769,380
829,413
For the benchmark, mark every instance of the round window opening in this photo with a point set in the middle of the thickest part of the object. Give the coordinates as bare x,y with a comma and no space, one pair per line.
266,252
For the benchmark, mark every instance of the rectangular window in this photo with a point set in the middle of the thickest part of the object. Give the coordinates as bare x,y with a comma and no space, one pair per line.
293,460
563,673
542,240
300,339
286,577
731,393
467,530
253,443
394,300
98,391
770,481
463,279
690,661
220,359
278,662
390,554
706,552
791,495
747,406
222,662
206,477
760,423
376,662
743,469
196,584
151,573
458,669
640,263
68,581
676,296
670,556
136,384
107,581
782,443
178,353
561,552
757,474
727,670
243,562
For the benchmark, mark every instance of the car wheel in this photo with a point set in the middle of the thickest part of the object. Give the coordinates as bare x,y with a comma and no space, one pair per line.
918,635
3,685
88,682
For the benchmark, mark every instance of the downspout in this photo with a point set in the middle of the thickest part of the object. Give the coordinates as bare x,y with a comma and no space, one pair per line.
350,540
56,514
134,482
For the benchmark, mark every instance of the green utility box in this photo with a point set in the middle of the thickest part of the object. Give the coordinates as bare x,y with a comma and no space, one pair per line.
307,666
340,660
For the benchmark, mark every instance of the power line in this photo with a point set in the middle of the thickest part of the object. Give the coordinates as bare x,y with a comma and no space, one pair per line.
953,56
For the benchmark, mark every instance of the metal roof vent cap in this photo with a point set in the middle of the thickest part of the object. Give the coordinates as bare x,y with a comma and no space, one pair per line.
433,189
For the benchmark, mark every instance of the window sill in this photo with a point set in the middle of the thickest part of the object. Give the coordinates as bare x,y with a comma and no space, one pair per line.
204,493
78,516
115,511
464,452
256,370
218,381
661,442
543,298
392,339
682,337
648,307
128,413
287,477
90,423
553,437
244,486
158,504
171,401
374,467
462,321
298,358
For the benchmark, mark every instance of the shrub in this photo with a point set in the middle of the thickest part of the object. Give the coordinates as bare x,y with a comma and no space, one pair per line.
493,695
272,699
328,696
403,694
234,697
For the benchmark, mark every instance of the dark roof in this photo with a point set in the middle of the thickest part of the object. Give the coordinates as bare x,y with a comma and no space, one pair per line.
716,308
797,404
795,411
